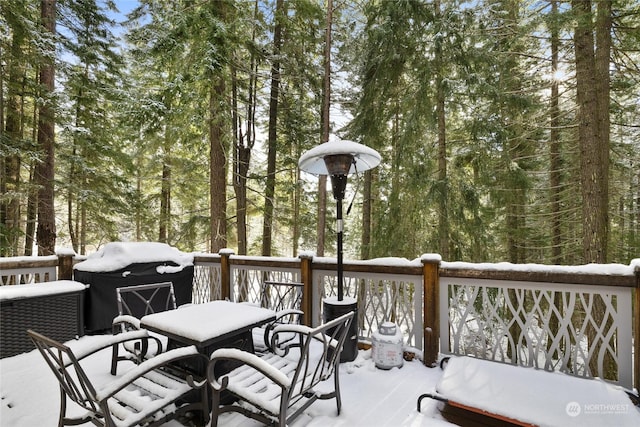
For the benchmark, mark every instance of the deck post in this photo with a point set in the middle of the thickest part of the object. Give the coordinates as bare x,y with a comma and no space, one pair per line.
431,320
65,265
306,277
636,330
225,273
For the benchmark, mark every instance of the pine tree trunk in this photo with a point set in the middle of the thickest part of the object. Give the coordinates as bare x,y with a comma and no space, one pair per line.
602,61
218,185
32,214
555,162
594,213
44,175
443,210
165,192
239,174
244,158
270,190
10,207
592,92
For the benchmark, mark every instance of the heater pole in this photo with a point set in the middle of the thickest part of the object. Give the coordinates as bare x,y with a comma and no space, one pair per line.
340,233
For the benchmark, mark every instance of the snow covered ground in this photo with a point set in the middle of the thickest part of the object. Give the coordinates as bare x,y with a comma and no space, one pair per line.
371,397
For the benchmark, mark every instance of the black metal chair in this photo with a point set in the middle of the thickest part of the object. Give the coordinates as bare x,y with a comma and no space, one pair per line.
134,302
285,298
148,394
282,384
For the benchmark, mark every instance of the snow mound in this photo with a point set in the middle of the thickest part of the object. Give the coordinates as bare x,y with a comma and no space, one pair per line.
117,255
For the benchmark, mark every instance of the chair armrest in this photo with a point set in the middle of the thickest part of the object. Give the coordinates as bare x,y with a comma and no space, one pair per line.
292,327
287,312
125,318
148,365
247,358
109,341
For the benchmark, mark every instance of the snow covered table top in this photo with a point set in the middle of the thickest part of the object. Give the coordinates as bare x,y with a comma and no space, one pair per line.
534,396
14,292
205,324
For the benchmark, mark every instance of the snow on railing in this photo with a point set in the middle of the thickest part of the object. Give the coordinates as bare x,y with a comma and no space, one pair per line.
574,319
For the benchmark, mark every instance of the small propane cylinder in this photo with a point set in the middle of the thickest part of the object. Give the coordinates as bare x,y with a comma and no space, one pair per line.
386,346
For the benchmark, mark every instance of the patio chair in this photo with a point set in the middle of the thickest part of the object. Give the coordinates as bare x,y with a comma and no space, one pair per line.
275,388
285,298
148,394
134,302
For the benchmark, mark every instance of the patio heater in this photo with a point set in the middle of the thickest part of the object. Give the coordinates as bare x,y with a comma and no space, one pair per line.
338,158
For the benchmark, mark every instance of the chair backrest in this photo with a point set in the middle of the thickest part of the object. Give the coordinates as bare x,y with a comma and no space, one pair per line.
71,377
279,296
140,300
319,353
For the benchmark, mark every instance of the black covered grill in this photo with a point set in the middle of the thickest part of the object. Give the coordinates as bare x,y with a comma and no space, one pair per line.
100,306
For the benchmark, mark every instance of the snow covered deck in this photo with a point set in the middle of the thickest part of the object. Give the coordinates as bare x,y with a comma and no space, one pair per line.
371,397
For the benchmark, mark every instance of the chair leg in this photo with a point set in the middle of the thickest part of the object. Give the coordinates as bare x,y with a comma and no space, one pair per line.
206,411
336,382
215,404
63,407
114,359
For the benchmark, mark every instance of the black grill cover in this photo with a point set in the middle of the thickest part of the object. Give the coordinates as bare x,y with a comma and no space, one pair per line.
100,306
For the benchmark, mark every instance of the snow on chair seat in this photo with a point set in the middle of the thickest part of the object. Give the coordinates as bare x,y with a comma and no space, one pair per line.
276,387
532,397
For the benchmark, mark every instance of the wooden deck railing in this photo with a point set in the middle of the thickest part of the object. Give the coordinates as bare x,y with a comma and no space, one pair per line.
583,320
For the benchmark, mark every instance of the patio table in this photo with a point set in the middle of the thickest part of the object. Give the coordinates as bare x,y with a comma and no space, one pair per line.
209,326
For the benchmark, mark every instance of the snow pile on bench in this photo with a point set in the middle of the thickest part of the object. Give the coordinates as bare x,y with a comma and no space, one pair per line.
534,396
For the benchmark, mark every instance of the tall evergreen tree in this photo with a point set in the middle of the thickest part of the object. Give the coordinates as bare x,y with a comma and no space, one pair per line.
591,99
44,174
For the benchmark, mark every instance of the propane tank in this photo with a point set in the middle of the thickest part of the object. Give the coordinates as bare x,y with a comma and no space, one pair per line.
386,346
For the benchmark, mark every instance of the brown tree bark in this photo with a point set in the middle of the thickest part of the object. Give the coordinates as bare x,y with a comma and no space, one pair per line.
603,80
10,183
241,160
218,167
443,217
555,161
592,93
592,141
270,190
44,173
165,191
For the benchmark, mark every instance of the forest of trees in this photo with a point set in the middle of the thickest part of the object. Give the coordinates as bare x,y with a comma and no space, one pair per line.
509,129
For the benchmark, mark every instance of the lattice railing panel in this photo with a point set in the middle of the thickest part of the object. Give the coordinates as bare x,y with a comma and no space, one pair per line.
381,298
577,329
206,282
246,281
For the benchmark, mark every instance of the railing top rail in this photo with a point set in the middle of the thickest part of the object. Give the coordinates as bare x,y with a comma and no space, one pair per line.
17,262
590,274
378,265
280,262
202,257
